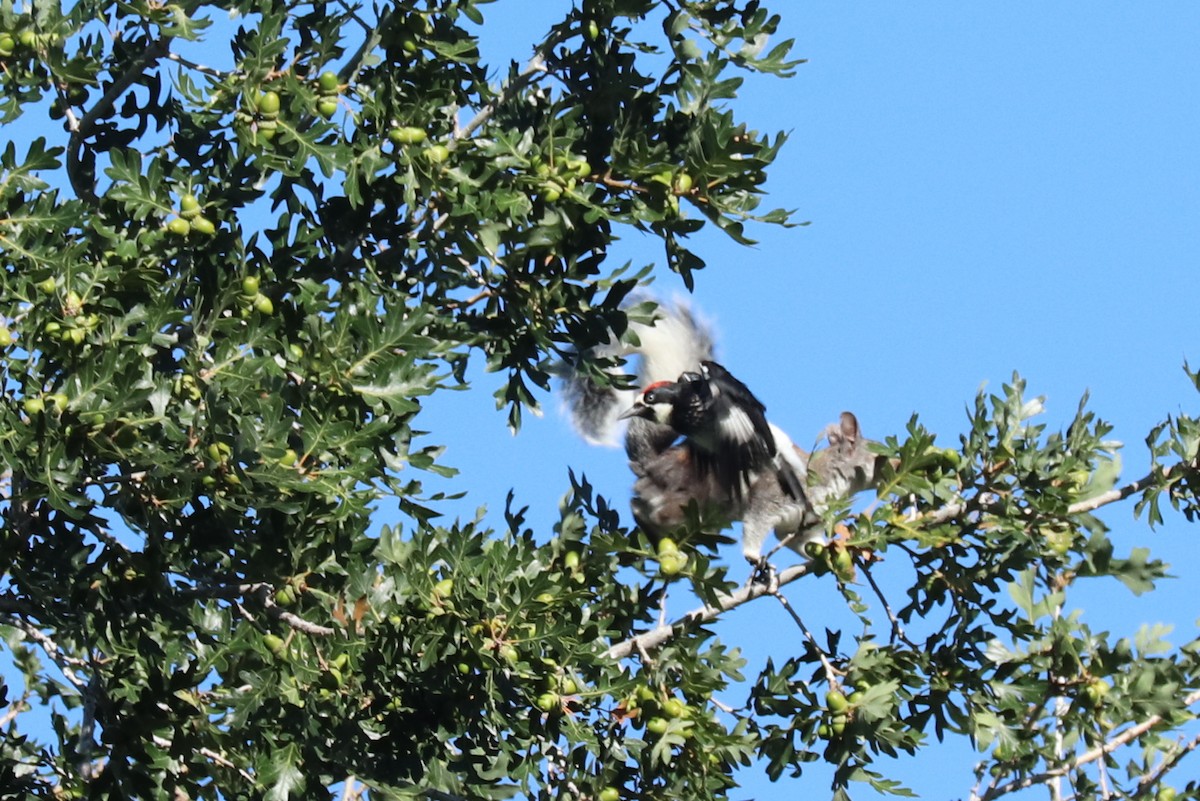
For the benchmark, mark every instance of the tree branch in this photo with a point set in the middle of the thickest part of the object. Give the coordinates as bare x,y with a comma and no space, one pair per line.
215,757
1168,763
84,188
656,637
264,594
950,512
536,64
831,673
15,709
1100,751
897,628
350,70
66,664
192,65
1119,493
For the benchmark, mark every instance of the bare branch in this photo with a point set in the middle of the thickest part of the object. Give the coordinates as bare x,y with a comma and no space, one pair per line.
265,596
535,66
83,187
192,65
897,629
14,709
1118,494
1168,763
952,511
66,664
350,70
831,673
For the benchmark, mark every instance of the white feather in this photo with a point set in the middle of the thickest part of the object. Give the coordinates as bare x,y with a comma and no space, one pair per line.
737,426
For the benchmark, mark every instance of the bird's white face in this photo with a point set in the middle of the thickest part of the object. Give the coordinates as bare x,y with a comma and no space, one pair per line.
659,412
653,404
657,405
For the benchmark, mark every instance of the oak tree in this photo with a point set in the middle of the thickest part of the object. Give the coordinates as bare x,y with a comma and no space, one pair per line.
253,239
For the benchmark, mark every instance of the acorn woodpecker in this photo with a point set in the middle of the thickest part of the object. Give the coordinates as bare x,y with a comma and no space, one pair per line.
724,426
698,439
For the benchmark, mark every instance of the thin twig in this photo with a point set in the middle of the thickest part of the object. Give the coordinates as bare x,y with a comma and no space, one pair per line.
831,673
14,709
536,65
66,664
652,639
950,512
897,629
192,65
1118,494
1060,710
213,756
87,727
349,71
1168,763
264,593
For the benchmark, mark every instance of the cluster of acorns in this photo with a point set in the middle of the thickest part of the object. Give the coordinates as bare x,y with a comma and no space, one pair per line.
329,90
191,218
250,298
407,136
75,325
10,41
261,111
671,560
23,40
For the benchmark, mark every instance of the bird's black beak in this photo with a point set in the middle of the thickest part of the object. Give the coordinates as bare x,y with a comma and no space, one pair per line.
638,409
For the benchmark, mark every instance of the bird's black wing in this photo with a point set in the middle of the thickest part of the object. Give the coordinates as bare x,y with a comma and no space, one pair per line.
734,442
738,396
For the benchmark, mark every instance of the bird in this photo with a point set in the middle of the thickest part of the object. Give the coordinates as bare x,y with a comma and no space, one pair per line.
730,458
747,468
699,441
724,426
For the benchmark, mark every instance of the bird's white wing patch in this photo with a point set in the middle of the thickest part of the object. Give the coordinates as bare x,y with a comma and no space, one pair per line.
737,426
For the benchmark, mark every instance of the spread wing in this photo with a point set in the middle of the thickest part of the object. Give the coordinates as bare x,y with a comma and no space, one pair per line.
738,441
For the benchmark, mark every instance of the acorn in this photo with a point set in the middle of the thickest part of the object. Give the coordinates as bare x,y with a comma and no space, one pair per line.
189,207
407,135
327,82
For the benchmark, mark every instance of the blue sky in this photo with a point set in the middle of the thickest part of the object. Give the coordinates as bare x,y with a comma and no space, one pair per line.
990,187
